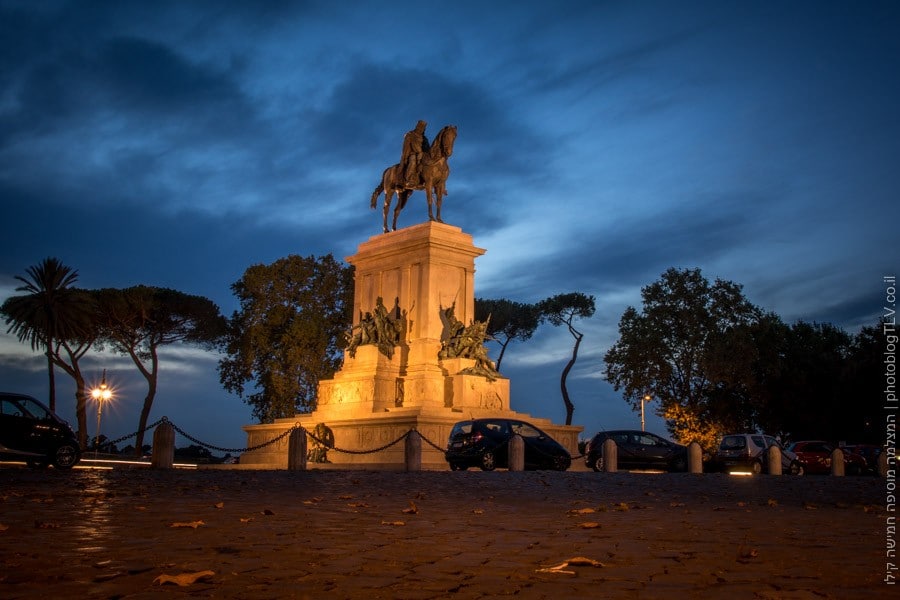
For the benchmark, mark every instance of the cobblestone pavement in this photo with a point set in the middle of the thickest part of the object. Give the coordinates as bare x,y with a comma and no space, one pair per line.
355,534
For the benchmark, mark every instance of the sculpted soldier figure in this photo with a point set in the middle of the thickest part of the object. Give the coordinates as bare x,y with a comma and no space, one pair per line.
415,145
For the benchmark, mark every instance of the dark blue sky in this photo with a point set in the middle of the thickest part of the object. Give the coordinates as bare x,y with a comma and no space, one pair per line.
177,143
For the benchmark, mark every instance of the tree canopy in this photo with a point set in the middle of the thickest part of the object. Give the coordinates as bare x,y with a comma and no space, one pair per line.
52,310
671,350
288,333
139,320
507,321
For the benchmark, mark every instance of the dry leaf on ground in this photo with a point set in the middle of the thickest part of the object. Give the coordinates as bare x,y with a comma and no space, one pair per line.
578,561
191,524
394,523
581,511
220,505
589,525
183,579
3,527
413,509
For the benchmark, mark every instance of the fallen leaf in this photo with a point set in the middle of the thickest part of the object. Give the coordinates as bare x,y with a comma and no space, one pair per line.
622,506
412,510
589,525
358,505
581,511
192,524
220,505
676,504
45,525
477,511
578,561
581,561
345,497
394,523
246,520
3,527
772,502
183,579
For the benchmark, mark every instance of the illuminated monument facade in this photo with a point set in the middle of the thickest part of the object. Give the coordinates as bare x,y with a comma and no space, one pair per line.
415,275
417,358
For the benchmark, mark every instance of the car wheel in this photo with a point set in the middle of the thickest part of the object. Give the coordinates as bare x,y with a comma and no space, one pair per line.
598,464
488,462
66,456
756,467
797,469
561,463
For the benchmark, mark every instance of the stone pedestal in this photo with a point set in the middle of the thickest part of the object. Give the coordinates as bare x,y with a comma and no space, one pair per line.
417,272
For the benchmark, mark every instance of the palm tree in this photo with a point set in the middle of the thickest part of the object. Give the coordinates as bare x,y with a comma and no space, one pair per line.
50,312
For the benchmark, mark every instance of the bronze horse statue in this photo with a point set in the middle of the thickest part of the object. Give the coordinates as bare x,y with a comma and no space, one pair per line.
433,173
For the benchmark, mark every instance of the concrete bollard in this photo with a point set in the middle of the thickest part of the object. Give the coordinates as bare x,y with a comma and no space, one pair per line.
774,460
297,450
163,446
883,464
413,451
516,453
695,458
837,462
610,456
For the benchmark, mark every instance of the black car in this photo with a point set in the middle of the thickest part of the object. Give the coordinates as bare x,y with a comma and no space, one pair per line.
637,450
31,432
484,442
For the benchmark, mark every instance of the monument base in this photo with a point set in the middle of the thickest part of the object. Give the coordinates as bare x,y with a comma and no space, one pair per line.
366,440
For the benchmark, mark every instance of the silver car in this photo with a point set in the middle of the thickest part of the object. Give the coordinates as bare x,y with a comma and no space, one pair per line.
750,452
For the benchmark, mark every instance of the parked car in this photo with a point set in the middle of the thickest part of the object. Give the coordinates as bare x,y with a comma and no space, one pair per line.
750,452
869,453
815,456
637,450
31,432
484,443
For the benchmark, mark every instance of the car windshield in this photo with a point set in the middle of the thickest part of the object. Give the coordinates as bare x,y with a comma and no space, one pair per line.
462,428
731,442
526,430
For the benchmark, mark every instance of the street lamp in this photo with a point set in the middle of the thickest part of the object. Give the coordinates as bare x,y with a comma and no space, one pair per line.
100,394
644,400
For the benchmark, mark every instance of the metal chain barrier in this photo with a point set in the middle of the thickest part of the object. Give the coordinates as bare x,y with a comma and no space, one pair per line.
287,432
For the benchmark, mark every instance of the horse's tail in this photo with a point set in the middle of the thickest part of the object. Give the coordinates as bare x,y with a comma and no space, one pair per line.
376,193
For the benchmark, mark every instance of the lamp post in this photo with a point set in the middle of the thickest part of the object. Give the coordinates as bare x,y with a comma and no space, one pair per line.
100,394
644,400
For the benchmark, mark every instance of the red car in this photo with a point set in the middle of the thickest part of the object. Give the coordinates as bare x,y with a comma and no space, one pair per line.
815,456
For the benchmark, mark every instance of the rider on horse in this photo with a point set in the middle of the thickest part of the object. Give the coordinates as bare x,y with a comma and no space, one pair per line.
415,145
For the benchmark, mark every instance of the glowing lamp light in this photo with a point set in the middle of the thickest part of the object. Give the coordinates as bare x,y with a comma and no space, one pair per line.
101,394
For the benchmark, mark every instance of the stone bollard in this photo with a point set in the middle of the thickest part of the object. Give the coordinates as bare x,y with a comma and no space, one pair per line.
695,458
297,450
837,462
516,453
163,446
883,464
610,456
413,451
774,460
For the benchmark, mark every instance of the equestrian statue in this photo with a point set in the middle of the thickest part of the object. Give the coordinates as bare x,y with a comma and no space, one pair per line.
422,166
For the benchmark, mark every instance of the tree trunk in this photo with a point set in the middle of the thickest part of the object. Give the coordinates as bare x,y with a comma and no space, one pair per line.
570,408
151,377
52,394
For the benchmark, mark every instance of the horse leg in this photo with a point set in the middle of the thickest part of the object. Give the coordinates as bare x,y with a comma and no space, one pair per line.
439,199
402,198
388,193
428,185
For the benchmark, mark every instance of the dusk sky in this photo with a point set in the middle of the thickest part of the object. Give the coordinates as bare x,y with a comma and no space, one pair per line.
175,144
